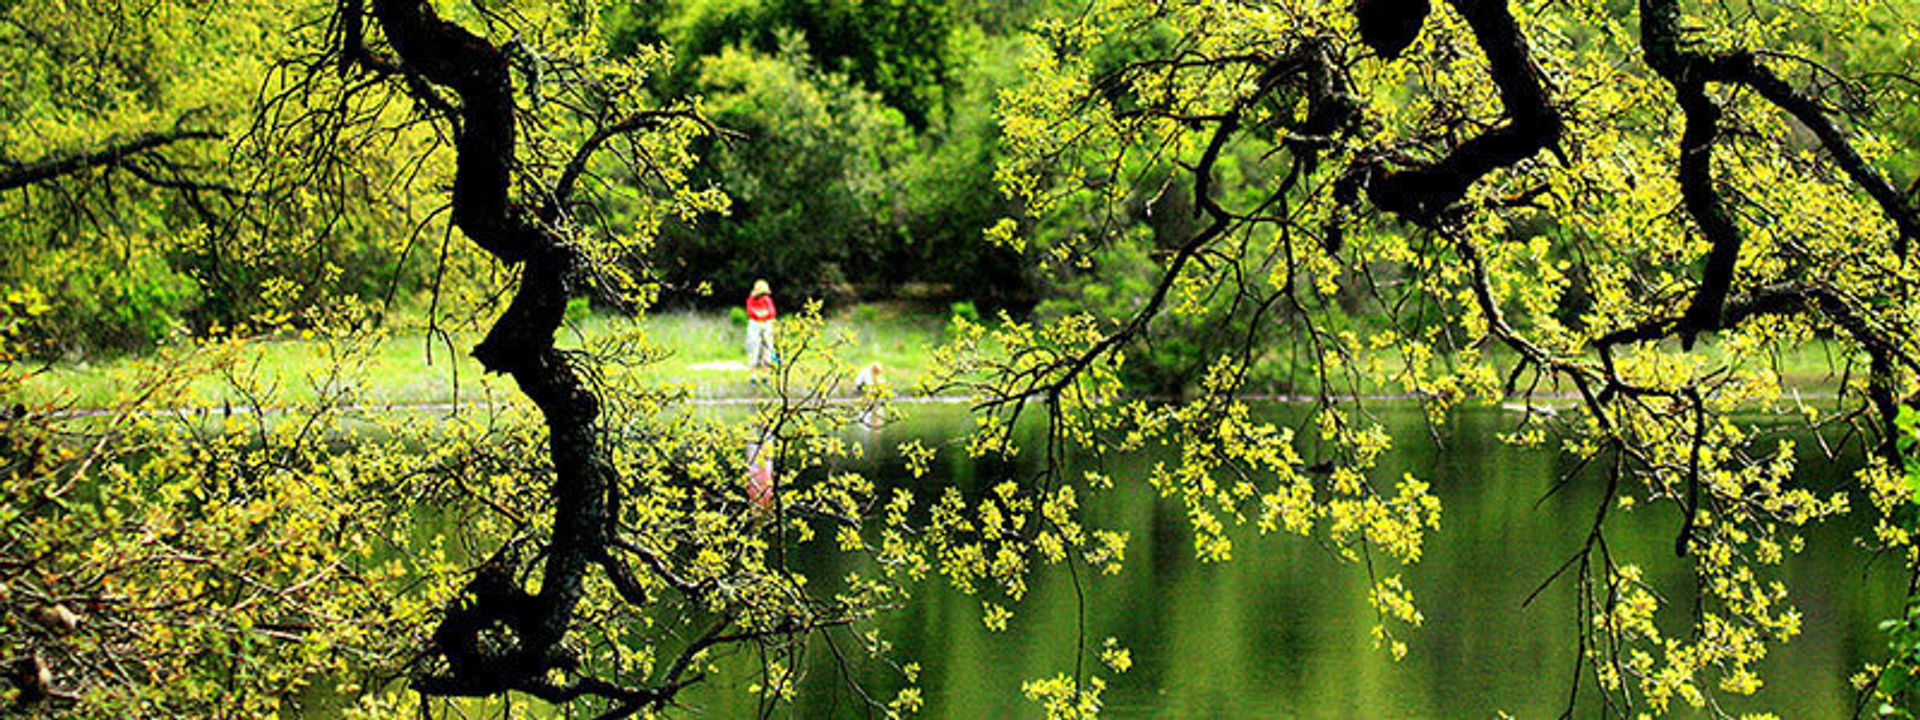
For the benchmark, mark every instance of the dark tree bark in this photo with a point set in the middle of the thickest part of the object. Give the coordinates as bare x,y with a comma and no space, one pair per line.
1533,124
1389,26
520,344
16,175
1689,72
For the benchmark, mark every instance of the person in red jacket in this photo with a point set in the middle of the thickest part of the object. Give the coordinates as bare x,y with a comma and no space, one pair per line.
760,314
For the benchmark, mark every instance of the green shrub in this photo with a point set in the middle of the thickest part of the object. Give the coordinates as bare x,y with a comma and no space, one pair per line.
964,310
1897,688
114,306
1170,356
578,309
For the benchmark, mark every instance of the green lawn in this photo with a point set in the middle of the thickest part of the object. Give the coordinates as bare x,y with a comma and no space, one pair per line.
705,356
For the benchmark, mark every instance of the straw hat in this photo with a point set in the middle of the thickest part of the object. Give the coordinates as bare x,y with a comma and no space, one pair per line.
760,287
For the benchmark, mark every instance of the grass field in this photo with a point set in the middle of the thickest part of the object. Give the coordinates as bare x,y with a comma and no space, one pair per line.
704,357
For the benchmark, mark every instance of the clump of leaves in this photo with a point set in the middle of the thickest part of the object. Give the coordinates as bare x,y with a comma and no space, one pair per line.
1897,686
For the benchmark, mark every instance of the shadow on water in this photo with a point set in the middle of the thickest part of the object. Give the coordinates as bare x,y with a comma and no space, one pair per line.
1282,630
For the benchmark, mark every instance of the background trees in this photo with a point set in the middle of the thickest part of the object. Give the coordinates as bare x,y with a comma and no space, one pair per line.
874,148
878,116
138,197
101,155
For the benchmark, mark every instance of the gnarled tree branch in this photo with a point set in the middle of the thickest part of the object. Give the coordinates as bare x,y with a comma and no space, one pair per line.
520,344
1421,192
115,153
1689,72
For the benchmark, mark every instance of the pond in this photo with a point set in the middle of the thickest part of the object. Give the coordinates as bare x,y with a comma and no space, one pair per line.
1282,630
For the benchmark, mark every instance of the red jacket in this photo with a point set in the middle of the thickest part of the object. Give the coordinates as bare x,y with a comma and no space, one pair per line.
760,308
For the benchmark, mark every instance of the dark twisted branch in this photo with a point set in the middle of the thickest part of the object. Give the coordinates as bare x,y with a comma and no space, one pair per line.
353,53
520,344
116,153
1420,193
477,74
1689,72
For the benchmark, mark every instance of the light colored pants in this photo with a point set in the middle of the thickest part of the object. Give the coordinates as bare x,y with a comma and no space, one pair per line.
759,343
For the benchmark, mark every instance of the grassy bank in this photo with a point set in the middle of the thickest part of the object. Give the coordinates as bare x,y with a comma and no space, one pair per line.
704,356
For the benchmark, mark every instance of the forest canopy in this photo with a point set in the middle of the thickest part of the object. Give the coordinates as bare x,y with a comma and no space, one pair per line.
1130,219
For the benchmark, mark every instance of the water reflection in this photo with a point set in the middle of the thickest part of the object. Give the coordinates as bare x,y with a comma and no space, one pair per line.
1282,630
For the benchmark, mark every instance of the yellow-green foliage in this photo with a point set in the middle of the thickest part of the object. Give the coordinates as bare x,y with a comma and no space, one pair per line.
1509,294
212,564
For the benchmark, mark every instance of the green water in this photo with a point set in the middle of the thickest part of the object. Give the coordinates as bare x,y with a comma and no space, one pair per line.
1282,630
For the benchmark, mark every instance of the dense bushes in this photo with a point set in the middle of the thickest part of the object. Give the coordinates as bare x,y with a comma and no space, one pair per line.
125,306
